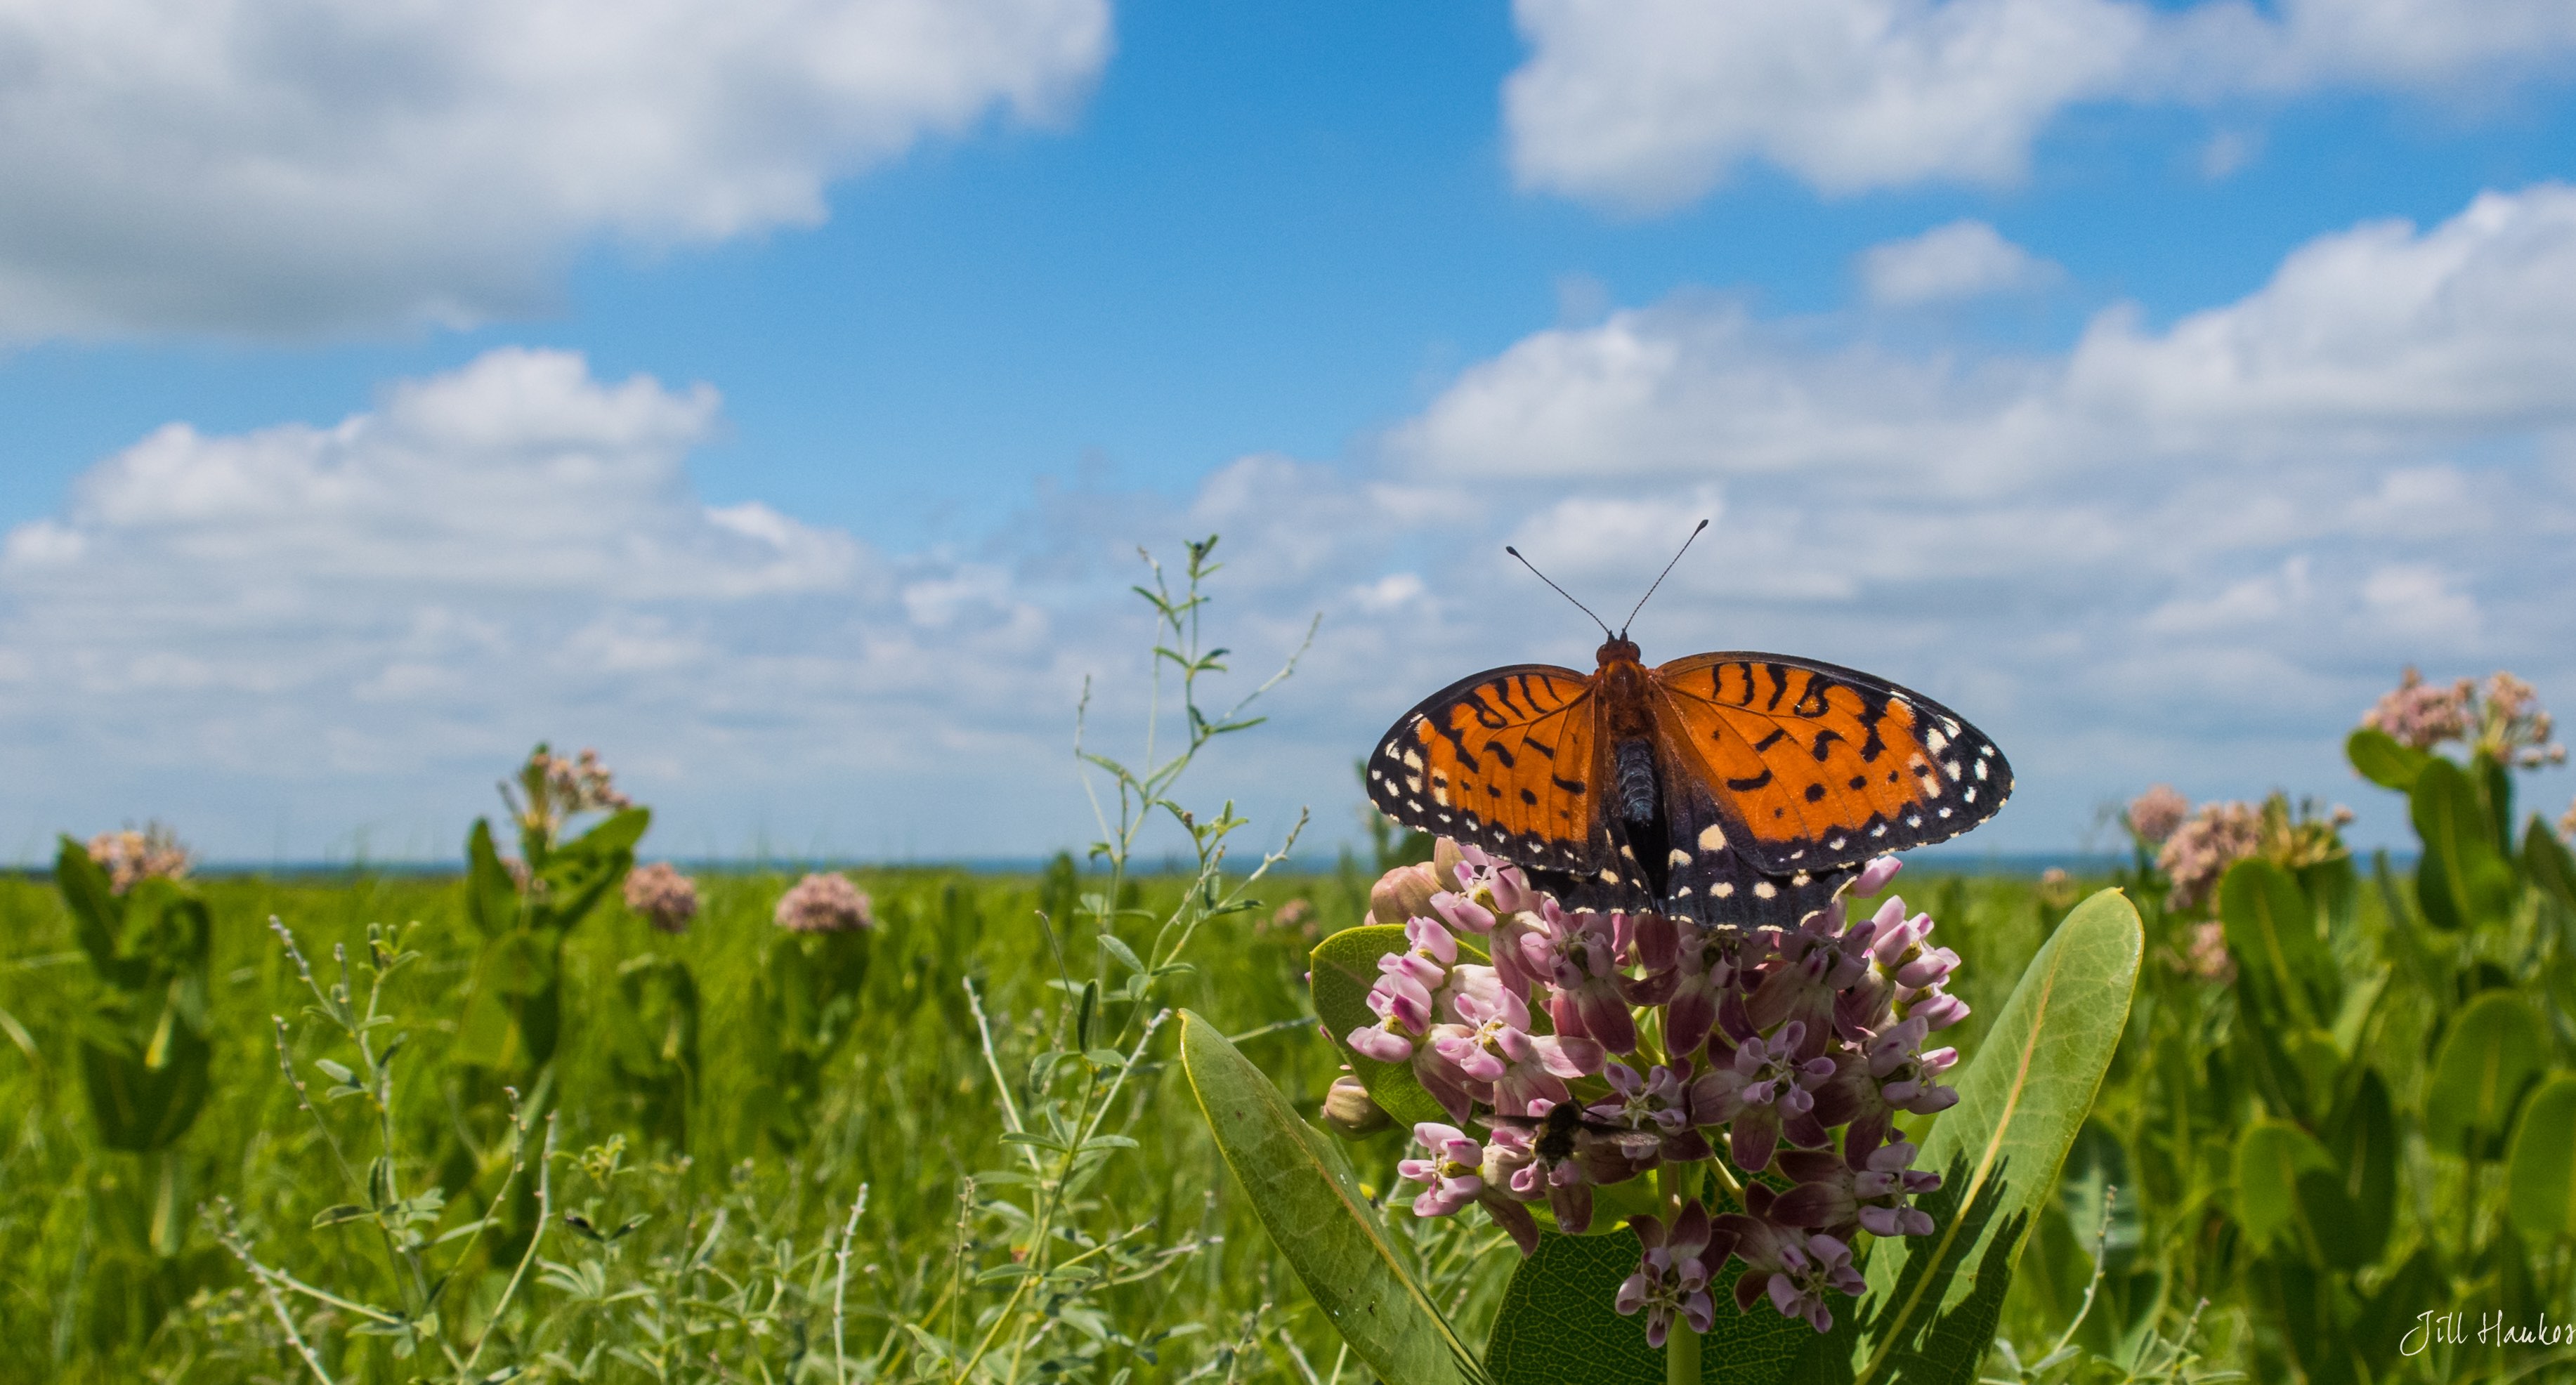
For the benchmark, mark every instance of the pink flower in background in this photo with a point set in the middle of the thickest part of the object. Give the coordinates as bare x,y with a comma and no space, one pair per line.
2155,814
824,903
2418,715
2213,838
662,896
131,857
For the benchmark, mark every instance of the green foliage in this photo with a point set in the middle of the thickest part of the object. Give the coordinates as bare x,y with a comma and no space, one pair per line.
1557,1324
1934,1301
2540,1183
1311,1204
2496,1048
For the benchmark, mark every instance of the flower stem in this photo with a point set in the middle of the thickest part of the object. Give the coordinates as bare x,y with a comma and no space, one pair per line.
1681,1344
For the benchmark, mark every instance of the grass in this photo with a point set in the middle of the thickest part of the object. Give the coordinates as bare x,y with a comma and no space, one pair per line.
738,1269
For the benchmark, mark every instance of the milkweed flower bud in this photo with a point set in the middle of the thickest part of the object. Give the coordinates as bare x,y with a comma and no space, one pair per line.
1402,893
824,902
1351,1111
662,897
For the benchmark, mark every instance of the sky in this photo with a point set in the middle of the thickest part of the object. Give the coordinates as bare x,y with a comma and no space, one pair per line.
776,396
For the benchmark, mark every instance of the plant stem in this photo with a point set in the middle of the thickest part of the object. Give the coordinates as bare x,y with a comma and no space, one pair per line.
1681,1344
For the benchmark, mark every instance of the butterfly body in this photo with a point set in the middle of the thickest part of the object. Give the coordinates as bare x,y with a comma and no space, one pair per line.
1735,788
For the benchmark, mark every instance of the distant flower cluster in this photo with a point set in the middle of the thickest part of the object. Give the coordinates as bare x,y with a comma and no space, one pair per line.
2155,814
2197,845
1664,1041
552,790
662,896
824,903
2502,719
131,857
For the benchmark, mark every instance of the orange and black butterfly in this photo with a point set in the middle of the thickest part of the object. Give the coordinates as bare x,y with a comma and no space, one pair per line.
1732,787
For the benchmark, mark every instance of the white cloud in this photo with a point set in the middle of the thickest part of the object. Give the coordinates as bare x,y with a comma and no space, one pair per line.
1648,104
1950,263
299,166
2224,533
2123,569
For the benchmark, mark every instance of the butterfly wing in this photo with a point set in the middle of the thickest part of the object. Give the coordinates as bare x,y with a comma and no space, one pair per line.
1507,760
1811,766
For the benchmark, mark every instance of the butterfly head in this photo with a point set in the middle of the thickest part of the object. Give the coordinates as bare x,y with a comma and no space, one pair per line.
1619,650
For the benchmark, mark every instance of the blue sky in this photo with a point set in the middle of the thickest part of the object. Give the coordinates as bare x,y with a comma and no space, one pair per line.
1376,289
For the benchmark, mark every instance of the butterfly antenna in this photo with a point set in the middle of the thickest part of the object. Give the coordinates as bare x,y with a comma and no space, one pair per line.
1534,572
1659,580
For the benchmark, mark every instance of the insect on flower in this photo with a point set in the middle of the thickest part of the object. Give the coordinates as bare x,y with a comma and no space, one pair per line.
1730,787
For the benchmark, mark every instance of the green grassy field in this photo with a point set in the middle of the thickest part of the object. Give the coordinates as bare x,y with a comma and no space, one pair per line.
909,1108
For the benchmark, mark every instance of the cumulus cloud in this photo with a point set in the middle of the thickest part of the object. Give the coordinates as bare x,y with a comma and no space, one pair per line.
1949,264
287,167
2245,518
2125,561
1647,104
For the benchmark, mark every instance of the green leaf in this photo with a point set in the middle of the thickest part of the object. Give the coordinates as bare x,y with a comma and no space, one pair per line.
2278,1200
1344,966
2383,761
333,1216
1933,1300
1557,1323
2497,1047
2461,881
98,914
617,832
2361,1137
1317,1216
2546,861
2540,1177
2272,929
491,896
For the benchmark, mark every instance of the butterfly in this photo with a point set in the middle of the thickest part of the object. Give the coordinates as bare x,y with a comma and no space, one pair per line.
1733,788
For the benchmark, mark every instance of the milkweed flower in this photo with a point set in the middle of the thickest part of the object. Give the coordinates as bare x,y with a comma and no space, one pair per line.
2155,814
131,857
662,896
2214,837
824,902
1785,1050
1673,1273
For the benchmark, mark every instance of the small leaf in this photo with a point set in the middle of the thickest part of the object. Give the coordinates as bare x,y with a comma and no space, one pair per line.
2382,761
2496,1048
345,1212
1110,943
2540,1177
1319,1219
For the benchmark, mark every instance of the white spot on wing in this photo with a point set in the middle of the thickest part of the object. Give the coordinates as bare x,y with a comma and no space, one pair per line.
1412,759
1712,838
1935,742
1609,877
1950,768
1725,889
1764,889
1680,857
1981,769
1970,795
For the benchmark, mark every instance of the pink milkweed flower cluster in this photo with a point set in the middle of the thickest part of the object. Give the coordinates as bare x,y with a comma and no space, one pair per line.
662,896
824,902
131,857
2501,719
1778,1049
2212,838
2155,814
553,789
